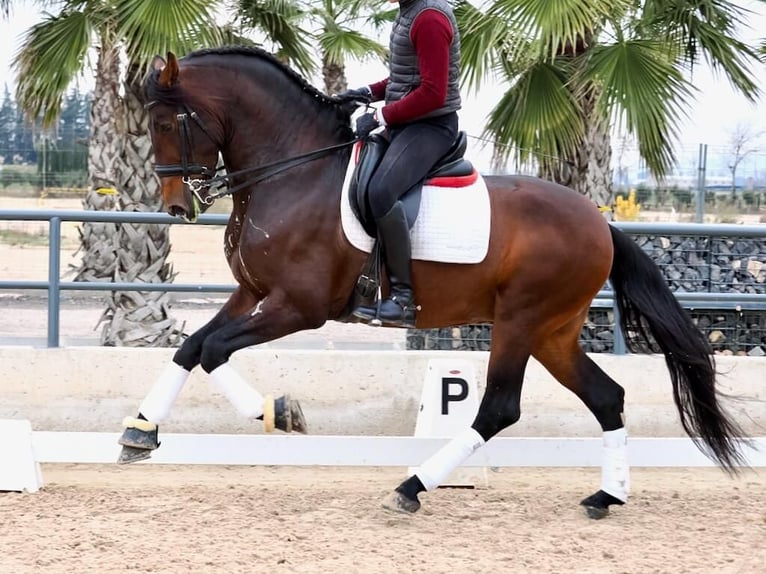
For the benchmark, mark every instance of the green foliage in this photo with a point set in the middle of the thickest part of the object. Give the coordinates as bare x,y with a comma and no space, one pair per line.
296,29
64,163
631,57
55,50
681,197
20,176
643,194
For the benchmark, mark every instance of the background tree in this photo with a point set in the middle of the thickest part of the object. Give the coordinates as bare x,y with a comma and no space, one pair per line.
744,141
7,127
54,52
575,69
338,37
299,32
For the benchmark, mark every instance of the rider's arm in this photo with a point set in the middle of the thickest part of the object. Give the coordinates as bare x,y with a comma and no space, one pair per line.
431,35
378,90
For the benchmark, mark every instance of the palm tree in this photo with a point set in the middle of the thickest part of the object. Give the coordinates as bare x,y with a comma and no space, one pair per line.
295,27
338,38
574,69
54,53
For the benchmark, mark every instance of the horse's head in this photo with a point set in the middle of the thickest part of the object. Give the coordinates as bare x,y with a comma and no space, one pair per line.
185,146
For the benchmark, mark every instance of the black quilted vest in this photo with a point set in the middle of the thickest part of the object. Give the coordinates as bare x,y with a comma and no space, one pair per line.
403,64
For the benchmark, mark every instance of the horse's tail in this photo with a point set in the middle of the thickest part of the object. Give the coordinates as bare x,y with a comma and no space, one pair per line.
649,312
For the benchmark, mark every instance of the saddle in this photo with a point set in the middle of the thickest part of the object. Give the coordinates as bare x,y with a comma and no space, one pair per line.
450,165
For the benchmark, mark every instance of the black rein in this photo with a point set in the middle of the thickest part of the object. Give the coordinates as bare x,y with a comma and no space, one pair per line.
187,169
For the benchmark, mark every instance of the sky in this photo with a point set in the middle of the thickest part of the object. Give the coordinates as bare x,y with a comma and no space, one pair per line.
713,116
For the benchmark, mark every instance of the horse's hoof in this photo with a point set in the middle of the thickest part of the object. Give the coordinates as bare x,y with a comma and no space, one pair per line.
288,415
397,502
595,512
298,420
139,434
597,505
130,454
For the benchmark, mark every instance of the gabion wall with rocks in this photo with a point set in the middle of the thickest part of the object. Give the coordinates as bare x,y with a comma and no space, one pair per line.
691,265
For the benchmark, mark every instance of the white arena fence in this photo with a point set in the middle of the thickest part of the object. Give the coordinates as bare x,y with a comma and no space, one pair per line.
363,406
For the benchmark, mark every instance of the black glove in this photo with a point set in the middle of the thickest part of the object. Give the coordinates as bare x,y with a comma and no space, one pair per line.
358,95
365,124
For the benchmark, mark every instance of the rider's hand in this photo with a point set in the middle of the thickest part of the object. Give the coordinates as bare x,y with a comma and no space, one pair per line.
362,94
365,124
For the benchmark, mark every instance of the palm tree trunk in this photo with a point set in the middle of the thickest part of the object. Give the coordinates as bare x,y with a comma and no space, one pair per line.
96,239
122,178
139,319
334,76
588,171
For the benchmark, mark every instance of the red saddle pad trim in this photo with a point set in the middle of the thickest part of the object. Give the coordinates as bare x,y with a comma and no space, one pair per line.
454,181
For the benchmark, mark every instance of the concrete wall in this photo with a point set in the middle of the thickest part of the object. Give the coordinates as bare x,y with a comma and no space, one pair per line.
342,392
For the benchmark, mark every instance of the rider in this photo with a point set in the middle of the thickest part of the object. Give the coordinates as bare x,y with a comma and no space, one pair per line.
422,97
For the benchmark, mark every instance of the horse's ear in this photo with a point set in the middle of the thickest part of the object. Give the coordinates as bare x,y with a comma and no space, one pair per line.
169,73
158,62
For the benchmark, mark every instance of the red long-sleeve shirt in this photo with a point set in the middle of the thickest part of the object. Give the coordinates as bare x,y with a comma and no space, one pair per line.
431,35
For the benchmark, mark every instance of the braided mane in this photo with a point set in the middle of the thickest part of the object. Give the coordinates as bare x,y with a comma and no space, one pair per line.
154,91
255,52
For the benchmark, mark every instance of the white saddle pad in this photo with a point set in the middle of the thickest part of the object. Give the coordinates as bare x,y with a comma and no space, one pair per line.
452,225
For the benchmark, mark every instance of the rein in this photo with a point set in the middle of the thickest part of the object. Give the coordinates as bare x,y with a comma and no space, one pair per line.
223,183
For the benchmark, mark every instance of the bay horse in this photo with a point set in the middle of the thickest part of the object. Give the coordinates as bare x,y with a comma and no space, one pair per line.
286,148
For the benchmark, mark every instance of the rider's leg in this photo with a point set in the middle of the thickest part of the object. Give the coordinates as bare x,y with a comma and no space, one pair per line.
413,150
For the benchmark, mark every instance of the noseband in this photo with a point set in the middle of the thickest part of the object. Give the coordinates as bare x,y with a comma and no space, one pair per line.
202,187
188,168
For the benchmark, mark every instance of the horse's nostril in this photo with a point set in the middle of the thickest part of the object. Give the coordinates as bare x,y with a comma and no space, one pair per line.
176,211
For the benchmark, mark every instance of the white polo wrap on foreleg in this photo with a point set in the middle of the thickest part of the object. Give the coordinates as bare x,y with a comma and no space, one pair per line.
156,405
437,468
244,397
615,472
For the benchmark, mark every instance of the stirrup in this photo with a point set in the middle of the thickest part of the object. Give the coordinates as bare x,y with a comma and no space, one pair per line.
370,314
400,313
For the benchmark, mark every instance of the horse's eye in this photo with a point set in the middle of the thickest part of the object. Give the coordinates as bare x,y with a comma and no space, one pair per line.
164,127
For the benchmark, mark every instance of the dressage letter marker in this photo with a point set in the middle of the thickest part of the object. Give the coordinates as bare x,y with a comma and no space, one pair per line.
447,397
19,470
448,406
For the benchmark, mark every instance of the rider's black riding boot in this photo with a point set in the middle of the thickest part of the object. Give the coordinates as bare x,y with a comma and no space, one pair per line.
399,309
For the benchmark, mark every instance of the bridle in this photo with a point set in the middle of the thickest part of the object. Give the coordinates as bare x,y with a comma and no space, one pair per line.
204,182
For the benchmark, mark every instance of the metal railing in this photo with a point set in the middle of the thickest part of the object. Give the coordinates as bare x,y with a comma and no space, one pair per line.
54,285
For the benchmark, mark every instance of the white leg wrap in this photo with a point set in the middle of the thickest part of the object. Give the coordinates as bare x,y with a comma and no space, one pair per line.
437,468
156,406
245,398
615,472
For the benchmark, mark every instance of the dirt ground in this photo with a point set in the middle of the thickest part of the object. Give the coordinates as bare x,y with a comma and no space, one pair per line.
171,519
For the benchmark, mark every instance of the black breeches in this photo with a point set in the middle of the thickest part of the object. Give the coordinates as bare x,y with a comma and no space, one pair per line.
413,150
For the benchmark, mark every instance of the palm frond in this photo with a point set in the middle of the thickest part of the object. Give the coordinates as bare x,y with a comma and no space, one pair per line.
149,27
482,41
538,116
640,86
707,30
336,43
281,22
51,56
557,24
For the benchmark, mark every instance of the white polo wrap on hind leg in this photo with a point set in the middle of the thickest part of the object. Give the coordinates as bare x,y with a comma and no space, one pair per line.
156,405
615,472
437,468
244,397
